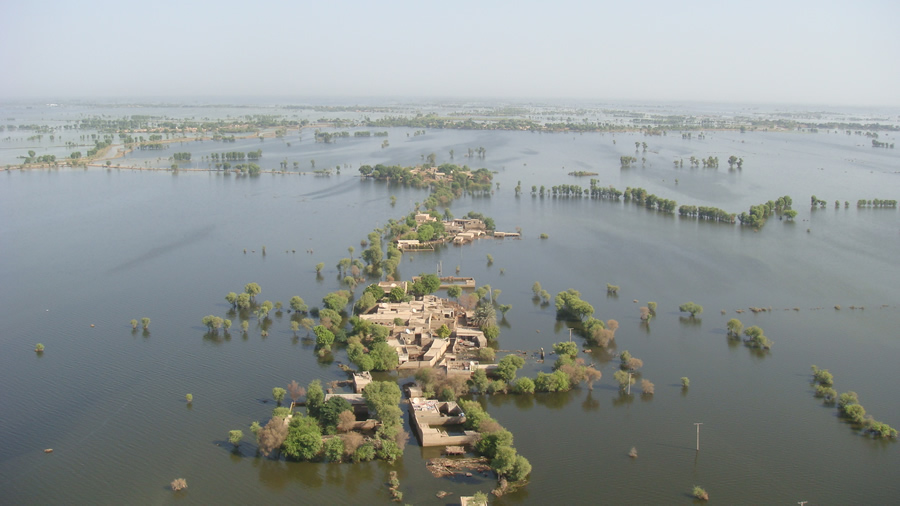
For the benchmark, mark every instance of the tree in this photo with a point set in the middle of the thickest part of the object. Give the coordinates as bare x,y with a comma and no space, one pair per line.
566,348
304,439
508,366
647,387
454,292
297,304
319,267
330,415
134,324
272,435
491,442
278,394
145,322
558,381
443,331
734,327
315,397
700,493
569,306
334,449
178,484
336,300
252,289
690,307
384,357
324,337
592,375
235,437
380,396
491,332
623,379
365,303
524,386
426,284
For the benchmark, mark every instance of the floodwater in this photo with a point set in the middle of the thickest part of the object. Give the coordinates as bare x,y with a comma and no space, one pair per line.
100,247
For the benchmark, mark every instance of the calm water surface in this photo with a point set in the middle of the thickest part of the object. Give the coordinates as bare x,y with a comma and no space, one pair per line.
83,247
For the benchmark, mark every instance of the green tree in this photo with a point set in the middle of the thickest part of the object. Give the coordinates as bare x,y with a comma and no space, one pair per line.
315,397
304,439
331,413
252,289
336,300
508,366
278,394
324,337
690,307
493,441
426,284
319,267
134,324
298,305
231,298
384,357
334,449
734,327
425,233
524,386
557,381
235,437
145,322
569,306
443,331
454,292
566,348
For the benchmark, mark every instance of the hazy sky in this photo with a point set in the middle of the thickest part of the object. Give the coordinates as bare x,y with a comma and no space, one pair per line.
819,52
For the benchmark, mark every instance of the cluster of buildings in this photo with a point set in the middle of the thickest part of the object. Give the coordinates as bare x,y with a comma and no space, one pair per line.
414,327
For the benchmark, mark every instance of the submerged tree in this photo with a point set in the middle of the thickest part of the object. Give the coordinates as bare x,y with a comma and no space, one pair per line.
690,307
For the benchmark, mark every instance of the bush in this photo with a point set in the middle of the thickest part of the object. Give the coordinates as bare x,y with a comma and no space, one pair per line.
485,354
364,453
699,493
179,484
334,449
524,386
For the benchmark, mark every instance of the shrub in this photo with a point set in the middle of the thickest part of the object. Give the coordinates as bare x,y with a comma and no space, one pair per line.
524,386
699,493
179,484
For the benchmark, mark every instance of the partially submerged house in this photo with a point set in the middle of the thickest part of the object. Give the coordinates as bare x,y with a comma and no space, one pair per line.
438,423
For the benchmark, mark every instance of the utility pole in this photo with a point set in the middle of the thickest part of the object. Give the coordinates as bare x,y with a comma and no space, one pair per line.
629,382
570,334
801,503
698,435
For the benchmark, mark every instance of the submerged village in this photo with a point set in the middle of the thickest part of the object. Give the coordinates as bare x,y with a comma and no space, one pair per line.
446,344
402,356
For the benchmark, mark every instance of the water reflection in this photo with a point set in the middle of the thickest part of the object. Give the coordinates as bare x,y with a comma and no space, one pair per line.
555,400
690,321
590,404
622,399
